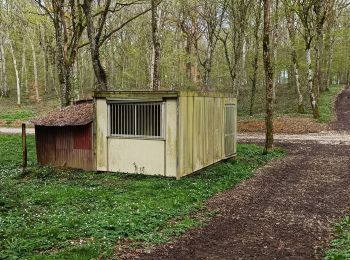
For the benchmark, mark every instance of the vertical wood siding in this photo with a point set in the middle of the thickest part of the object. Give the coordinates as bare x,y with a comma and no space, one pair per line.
69,146
202,122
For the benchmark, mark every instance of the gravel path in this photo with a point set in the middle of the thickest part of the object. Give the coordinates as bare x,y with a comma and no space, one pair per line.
286,211
5,130
331,137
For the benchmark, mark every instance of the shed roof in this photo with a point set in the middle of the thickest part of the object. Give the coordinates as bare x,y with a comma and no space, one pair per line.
160,94
75,115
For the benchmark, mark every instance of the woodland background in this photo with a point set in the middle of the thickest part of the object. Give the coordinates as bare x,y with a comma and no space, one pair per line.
53,52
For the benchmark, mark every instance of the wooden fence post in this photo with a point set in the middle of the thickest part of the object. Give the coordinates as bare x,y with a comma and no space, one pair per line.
24,145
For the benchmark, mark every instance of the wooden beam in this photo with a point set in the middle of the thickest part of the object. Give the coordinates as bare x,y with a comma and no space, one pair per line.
24,146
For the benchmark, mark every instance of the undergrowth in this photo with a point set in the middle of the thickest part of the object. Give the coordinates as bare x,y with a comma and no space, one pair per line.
340,247
9,117
326,103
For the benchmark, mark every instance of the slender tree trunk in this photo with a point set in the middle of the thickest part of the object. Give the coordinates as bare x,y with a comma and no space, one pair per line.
255,63
64,67
4,83
54,73
24,82
274,50
292,31
254,79
238,62
318,50
329,68
329,43
207,67
46,69
311,88
155,68
64,76
35,70
18,87
297,82
188,49
268,77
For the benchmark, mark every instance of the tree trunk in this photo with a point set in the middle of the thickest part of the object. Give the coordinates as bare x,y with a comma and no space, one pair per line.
318,50
274,50
100,73
297,81
46,69
207,67
268,77
329,43
18,87
35,70
255,63
329,68
4,83
311,88
254,79
155,64
294,57
238,63
64,75
188,49
24,79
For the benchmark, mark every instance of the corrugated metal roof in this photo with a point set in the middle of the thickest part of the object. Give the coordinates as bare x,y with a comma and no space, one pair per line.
75,115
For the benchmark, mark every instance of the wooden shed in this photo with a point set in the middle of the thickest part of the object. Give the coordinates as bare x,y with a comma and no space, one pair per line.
168,133
64,137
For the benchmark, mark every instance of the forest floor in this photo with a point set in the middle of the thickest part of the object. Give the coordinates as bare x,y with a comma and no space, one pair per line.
287,122
286,211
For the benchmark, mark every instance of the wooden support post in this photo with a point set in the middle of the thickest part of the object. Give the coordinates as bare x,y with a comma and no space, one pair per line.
24,145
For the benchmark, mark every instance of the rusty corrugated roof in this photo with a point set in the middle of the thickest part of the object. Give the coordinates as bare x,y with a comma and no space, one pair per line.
75,115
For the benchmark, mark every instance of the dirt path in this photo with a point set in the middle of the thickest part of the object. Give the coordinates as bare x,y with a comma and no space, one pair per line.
342,109
286,211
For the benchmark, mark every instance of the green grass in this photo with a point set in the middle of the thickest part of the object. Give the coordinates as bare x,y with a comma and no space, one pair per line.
47,213
9,117
326,103
340,247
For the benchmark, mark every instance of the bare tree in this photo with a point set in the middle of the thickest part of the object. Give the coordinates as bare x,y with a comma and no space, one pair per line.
189,24
255,63
234,41
292,30
98,34
18,86
155,64
68,32
35,72
24,75
268,76
3,72
304,10
212,14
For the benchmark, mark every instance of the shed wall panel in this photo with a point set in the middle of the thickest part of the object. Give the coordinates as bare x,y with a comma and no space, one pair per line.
55,147
182,134
136,156
198,129
189,155
217,138
45,144
201,140
101,134
171,138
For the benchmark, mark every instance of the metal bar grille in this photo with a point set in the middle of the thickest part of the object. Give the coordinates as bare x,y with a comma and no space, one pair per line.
136,119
